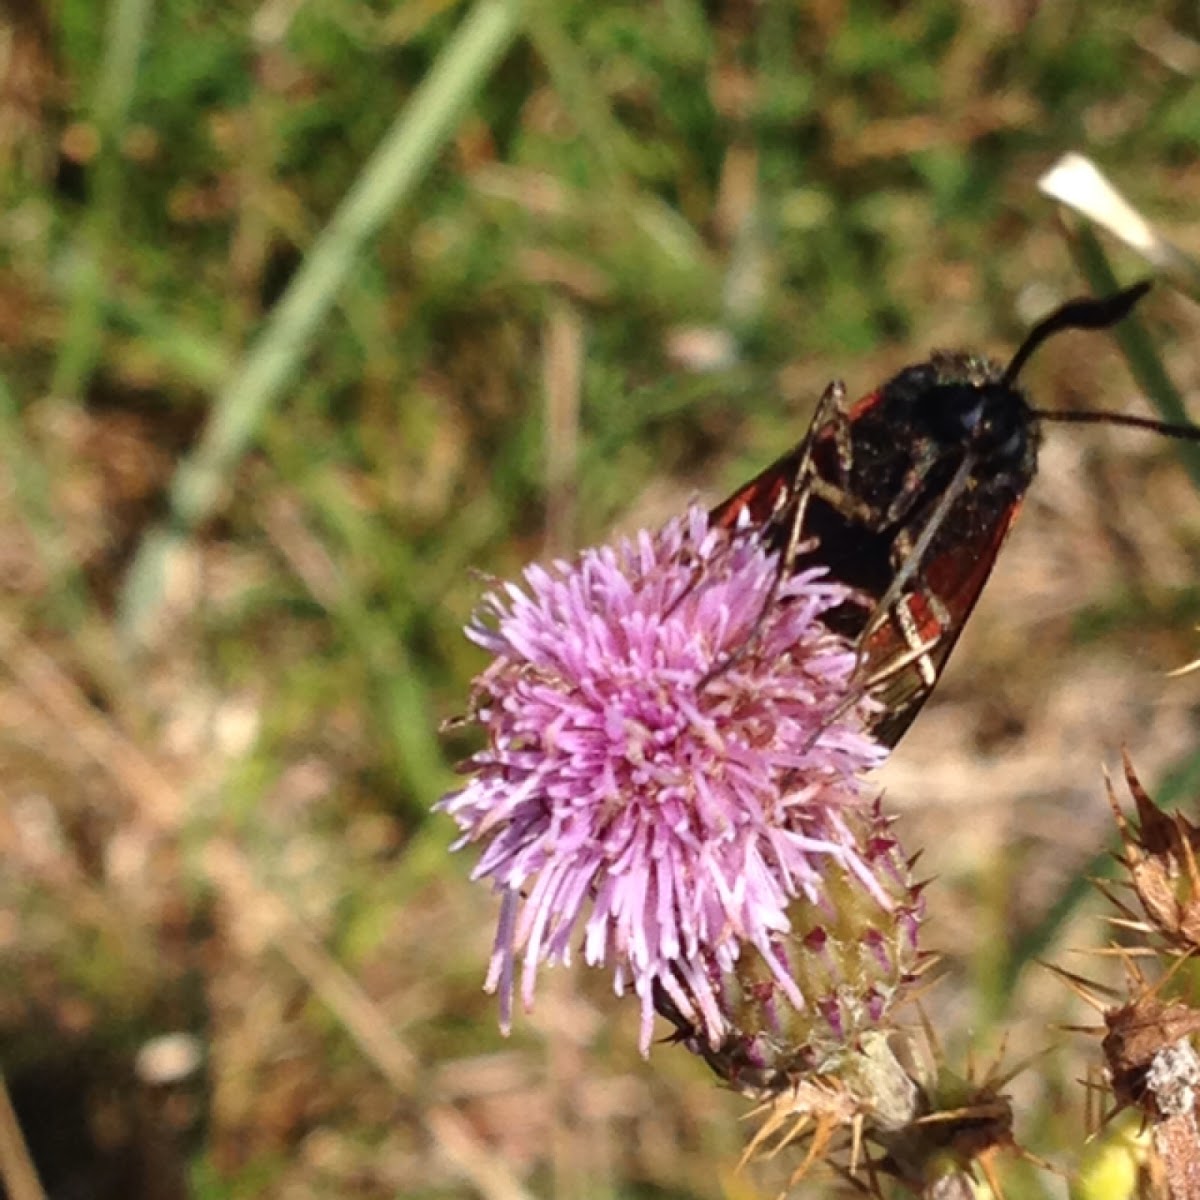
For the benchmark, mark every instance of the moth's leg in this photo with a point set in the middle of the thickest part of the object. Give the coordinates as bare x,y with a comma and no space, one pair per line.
923,462
830,412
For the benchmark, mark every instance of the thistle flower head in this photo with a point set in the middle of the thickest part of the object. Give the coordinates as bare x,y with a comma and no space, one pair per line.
673,755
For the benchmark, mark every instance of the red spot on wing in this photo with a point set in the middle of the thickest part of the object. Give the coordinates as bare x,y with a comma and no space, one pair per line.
764,497
866,403
956,577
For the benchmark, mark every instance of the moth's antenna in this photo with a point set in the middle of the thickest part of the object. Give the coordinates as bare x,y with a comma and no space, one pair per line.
1088,312
1171,429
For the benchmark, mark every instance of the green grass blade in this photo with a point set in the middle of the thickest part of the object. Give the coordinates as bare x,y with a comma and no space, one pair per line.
387,180
110,110
1138,347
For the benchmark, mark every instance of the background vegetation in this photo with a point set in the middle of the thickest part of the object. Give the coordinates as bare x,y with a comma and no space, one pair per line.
247,476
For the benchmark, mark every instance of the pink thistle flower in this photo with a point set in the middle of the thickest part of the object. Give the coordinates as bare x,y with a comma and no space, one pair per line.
673,750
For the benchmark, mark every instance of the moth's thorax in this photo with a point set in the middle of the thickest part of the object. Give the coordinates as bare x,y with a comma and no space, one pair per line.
962,366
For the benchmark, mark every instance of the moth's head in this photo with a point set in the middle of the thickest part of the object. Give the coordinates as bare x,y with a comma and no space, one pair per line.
967,401
962,401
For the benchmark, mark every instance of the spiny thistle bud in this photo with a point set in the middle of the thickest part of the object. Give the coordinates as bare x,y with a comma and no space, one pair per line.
959,1126
848,955
925,1126
672,775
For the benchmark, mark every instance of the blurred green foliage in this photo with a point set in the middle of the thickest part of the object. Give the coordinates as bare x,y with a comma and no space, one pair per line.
700,211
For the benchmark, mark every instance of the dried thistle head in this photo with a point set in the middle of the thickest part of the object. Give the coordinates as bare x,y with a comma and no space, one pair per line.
1149,1038
1159,852
1153,1067
1151,1063
1153,1070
